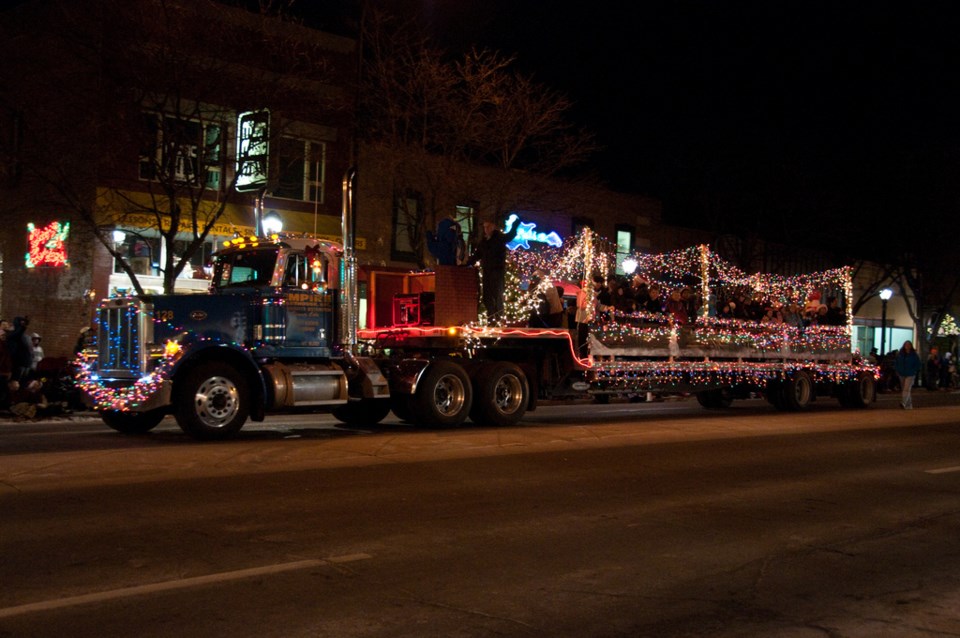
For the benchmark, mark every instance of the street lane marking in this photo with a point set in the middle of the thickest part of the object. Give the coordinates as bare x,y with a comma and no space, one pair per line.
139,590
945,470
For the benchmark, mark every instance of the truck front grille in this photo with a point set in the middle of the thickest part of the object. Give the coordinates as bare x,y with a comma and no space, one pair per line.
124,327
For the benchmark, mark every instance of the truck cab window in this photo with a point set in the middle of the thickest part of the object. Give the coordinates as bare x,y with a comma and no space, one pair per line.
300,273
246,268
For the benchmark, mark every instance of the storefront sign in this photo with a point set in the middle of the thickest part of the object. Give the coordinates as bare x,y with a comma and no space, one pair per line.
528,233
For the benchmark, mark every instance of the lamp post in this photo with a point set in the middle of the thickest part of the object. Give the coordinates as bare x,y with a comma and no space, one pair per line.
885,295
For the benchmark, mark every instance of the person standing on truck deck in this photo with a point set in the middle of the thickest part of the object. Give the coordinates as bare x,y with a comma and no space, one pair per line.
907,365
491,253
444,244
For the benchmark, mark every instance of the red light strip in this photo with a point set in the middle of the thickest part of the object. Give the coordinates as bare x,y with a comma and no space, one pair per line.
493,333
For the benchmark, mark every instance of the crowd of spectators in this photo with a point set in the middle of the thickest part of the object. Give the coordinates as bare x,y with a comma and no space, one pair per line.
23,387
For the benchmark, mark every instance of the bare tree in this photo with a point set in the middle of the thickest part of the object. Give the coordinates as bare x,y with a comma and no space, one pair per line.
440,121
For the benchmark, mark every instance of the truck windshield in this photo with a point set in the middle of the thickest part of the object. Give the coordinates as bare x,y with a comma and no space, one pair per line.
249,268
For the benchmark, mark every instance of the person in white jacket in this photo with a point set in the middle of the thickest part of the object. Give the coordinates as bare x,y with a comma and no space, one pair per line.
37,350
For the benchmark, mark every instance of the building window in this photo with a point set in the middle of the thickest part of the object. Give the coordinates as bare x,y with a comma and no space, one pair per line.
301,169
200,261
406,211
625,235
184,151
466,216
140,252
578,224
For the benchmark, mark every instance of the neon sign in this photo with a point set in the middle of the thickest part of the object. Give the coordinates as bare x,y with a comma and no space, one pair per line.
253,150
47,245
527,233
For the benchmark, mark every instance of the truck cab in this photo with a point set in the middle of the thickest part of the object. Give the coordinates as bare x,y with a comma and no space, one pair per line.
264,339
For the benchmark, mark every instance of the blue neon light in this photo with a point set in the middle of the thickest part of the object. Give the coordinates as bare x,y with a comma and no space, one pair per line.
527,234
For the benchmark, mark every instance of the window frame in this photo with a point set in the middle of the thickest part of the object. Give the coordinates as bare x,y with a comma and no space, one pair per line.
209,162
397,251
314,171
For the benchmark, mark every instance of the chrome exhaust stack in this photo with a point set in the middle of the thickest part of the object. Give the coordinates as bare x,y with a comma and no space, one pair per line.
348,283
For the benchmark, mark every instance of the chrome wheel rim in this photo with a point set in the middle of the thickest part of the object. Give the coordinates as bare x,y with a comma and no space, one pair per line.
216,402
449,395
507,394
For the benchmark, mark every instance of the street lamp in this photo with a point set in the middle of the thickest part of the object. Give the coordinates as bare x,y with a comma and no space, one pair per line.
885,295
272,223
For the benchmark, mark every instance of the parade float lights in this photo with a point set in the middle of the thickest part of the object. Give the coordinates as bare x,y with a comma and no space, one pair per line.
697,268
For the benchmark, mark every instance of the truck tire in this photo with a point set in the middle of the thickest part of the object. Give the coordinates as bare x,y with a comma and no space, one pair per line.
132,422
363,412
716,399
212,402
500,394
774,393
797,391
859,392
443,396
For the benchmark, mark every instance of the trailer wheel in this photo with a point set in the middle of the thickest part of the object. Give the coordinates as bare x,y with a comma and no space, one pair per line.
362,412
213,402
443,396
773,392
716,399
500,394
859,392
797,391
132,422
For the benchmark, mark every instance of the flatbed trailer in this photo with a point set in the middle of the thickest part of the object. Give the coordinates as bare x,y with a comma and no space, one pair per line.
625,355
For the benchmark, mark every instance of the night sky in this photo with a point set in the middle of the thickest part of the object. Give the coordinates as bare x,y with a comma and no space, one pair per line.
809,122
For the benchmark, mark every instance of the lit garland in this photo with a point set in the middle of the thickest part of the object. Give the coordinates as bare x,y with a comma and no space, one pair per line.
631,376
125,398
638,329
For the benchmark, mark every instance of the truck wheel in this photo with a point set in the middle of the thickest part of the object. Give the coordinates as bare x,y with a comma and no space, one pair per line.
132,422
443,396
500,394
774,394
363,412
860,392
714,399
213,402
797,391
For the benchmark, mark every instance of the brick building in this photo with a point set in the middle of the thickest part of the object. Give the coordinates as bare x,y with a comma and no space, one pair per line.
118,139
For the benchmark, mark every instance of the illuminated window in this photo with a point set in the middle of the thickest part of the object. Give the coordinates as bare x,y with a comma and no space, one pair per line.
301,169
180,150
199,260
624,244
466,216
141,252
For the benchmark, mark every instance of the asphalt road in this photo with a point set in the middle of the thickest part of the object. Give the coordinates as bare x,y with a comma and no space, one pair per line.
618,520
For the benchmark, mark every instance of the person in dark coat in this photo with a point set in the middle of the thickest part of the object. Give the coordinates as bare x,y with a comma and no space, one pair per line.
907,366
491,254
6,363
443,244
21,349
